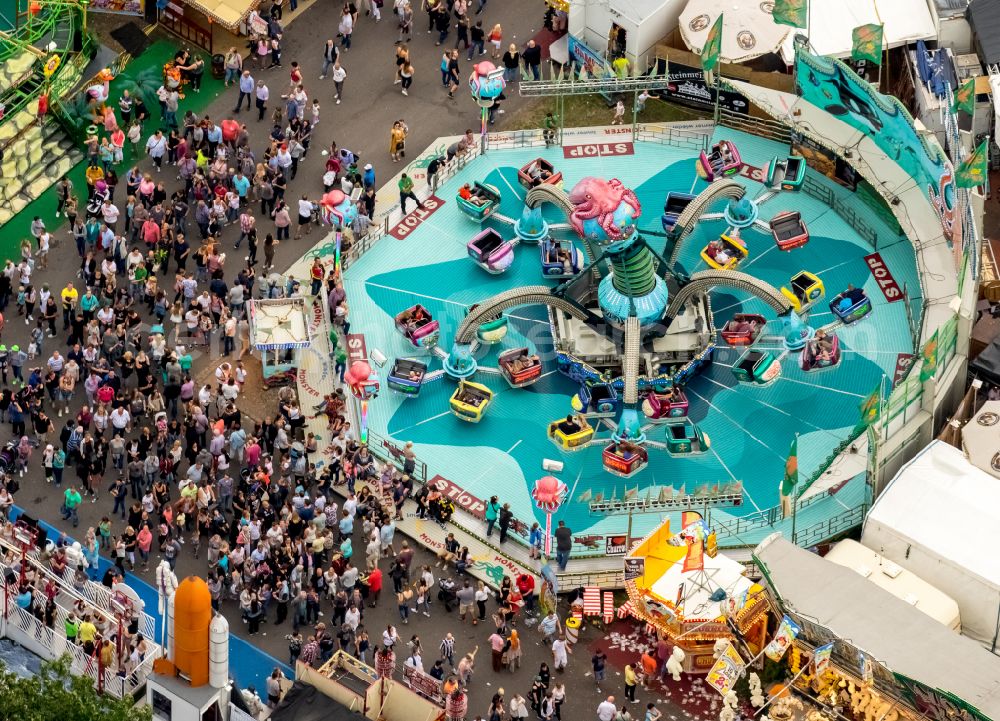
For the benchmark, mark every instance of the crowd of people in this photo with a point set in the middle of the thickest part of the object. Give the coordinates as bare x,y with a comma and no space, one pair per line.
103,396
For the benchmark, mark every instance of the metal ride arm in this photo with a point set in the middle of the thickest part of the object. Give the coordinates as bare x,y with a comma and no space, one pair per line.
686,221
630,361
705,280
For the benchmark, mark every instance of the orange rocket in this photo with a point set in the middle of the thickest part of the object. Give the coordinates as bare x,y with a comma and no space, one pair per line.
189,643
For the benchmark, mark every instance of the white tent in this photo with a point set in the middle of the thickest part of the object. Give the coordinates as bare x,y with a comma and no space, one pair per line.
939,518
995,90
981,438
720,572
831,24
748,30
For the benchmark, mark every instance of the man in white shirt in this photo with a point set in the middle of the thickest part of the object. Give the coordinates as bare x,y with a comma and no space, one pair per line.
121,420
306,208
606,710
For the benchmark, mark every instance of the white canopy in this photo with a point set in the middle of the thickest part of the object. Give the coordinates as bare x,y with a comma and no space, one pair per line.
831,24
939,518
981,438
748,29
720,572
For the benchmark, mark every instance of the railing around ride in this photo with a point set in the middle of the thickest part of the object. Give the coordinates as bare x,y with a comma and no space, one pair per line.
511,139
844,209
393,215
115,681
762,127
386,450
677,137
831,527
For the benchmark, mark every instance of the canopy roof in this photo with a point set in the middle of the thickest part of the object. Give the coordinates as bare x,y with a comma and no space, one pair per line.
893,632
981,438
278,324
227,13
831,24
748,29
945,504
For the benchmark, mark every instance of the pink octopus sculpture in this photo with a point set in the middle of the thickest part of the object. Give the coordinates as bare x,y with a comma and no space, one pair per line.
603,207
548,493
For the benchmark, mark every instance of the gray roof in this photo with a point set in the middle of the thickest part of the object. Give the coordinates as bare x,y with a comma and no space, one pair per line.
893,632
984,17
951,8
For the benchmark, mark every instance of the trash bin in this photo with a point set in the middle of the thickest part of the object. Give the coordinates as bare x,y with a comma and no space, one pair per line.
218,66
572,627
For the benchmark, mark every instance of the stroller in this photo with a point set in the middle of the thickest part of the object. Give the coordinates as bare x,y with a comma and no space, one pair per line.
447,594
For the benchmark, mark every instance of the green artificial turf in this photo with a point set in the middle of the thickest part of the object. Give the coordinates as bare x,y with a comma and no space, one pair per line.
160,52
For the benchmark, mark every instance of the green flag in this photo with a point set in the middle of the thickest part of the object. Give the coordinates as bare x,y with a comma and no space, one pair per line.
965,98
791,12
713,47
871,407
930,358
791,469
867,45
971,173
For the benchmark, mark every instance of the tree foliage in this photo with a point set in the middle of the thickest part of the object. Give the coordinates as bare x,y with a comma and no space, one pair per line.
55,694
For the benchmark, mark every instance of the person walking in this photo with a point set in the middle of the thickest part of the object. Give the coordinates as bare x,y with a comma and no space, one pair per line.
453,74
156,148
599,662
346,27
631,681
262,94
397,143
606,710
339,75
330,54
619,117
532,57
406,77
405,16
491,515
246,85
564,544
406,192
511,63
233,65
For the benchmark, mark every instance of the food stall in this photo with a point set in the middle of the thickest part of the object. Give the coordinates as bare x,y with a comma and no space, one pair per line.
279,329
680,585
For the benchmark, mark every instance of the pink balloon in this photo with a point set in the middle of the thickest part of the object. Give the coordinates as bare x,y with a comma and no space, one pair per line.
485,67
333,198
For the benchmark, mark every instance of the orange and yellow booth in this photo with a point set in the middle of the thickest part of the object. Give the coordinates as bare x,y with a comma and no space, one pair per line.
682,586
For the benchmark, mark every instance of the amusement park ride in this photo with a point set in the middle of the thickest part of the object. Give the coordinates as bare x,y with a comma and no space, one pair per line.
630,326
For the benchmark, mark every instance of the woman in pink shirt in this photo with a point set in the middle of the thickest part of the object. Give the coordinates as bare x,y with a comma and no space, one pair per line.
146,188
253,453
282,220
144,541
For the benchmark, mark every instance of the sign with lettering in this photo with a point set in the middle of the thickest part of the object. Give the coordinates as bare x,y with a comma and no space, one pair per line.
598,150
615,545
466,501
412,221
356,348
903,363
634,568
880,271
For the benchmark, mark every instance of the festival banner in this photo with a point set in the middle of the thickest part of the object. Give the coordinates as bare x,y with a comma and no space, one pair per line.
965,98
787,631
871,407
791,476
726,671
694,559
867,43
821,658
972,171
713,47
930,359
791,12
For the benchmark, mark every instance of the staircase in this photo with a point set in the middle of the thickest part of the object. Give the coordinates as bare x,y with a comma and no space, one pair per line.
36,154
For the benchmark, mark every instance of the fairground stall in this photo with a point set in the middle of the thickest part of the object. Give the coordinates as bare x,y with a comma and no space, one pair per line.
841,646
279,329
680,585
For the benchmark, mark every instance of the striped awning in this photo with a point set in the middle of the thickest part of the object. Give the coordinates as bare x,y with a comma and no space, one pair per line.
230,14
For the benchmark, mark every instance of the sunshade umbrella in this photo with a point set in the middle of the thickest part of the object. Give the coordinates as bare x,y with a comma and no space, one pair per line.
981,438
748,27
